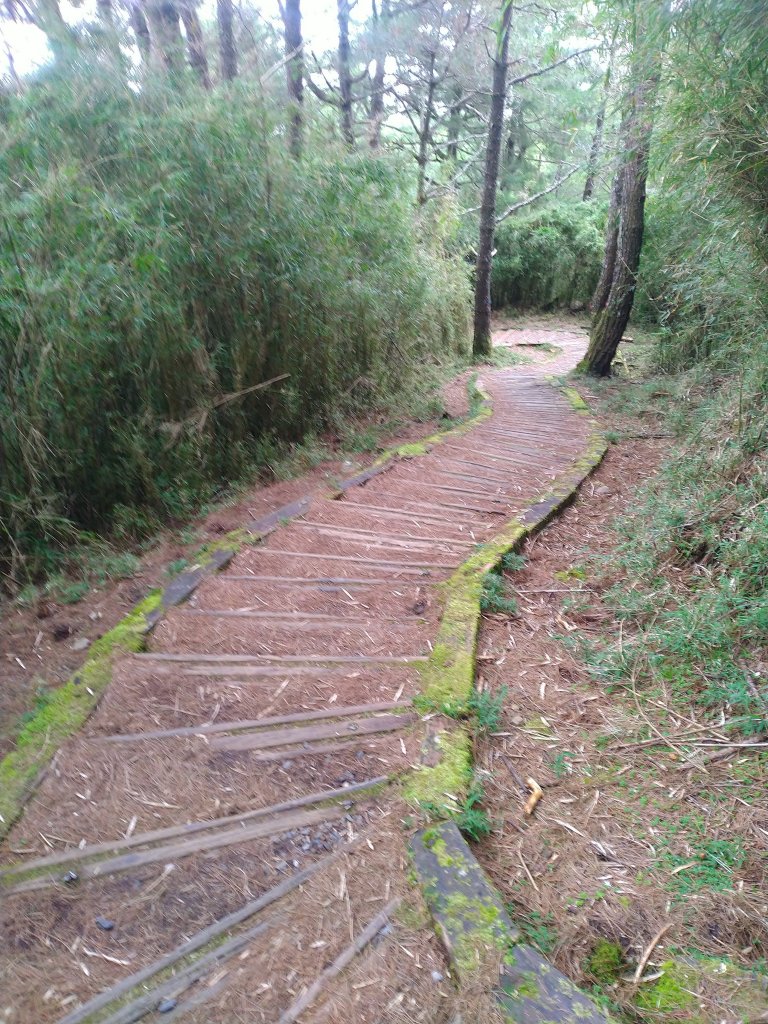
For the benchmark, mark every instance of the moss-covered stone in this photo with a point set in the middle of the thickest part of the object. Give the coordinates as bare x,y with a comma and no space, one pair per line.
67,709
428,786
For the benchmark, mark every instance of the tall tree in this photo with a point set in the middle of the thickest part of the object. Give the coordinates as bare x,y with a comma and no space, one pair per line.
376,109
481,344
167,45
227,51
198,58
47,16
290,11
612,303
343,7
140,30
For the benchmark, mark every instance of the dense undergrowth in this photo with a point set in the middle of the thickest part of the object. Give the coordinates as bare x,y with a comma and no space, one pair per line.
549,258
688,570
691,569
160,257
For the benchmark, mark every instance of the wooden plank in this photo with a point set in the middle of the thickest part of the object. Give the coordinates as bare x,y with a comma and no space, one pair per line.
273,519
501,473
256,659
484,510
197,999
146,1002
310,733
420,485
474,925
366,475
509,459
299,621
403,540
257,723
371,930
182,586
317,749
245,674
313,557
401,513
176,851
317,581
483,481
196,942
146,838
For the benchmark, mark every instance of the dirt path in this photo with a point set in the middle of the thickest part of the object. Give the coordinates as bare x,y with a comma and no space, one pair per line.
237,771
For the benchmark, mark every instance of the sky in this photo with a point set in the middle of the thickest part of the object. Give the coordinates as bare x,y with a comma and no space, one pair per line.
30,50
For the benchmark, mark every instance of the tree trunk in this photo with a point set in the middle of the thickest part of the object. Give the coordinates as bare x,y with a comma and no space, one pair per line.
612,315
597,138
455,120
345,75
425,131
481,345
106,14
227,52
167,49
294,69
141,31
198,58
376,115
600,297
46,15
594,154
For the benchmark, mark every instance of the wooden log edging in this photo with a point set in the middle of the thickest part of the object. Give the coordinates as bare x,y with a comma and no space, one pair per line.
448,675
478,933
467,911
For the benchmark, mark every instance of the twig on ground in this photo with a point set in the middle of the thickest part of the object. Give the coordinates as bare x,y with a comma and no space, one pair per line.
648,950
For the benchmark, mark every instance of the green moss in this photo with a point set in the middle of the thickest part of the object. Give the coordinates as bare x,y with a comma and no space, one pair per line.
231,541
575,400
480,410
606,962
440,850
452,774
66,710
527,988
672,993
475,927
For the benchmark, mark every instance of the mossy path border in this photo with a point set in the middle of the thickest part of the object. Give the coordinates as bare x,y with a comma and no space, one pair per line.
467,910
449,674
72,703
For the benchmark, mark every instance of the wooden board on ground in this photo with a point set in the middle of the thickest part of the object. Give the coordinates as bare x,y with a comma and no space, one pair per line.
475,927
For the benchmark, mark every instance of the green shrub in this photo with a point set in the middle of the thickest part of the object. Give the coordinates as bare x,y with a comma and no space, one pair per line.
549,258
494,596
159,257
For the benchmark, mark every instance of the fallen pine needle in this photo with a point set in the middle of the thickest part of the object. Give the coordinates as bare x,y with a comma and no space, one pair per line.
571,828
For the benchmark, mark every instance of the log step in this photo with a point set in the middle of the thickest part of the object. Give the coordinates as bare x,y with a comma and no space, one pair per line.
310,733
176,851
257,723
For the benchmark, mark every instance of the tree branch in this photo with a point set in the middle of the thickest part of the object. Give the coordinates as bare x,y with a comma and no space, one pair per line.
532,199
551,67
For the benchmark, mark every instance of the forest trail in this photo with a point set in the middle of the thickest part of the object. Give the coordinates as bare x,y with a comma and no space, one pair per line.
225,835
